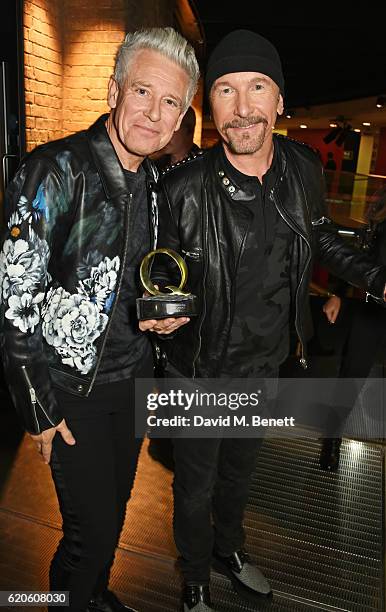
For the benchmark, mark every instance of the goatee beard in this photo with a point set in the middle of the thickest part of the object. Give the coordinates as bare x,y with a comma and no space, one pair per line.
244,144
244,122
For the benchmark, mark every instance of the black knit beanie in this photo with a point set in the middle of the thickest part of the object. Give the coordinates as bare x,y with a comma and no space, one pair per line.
244,51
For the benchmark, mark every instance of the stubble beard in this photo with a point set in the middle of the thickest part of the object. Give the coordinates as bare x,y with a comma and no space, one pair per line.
243,144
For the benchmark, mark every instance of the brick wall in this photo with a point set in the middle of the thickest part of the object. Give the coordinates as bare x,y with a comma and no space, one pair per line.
43,70
92,31
70,47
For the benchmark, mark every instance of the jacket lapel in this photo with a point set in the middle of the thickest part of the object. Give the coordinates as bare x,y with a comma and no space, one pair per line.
106,160
290,192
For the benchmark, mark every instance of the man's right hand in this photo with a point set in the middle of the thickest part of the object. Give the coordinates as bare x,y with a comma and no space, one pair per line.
163,326
43,441
332,307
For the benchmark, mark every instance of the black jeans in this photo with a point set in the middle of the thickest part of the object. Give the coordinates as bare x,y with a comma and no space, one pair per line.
212,478
93,480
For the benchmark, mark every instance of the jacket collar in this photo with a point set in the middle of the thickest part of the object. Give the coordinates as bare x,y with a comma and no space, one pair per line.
227,184
107,162
289,171
230,181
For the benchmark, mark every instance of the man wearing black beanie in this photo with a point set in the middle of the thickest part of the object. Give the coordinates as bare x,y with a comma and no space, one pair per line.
244,51
248,215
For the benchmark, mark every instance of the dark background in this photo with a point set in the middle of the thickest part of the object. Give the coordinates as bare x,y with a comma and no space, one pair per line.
9,15
329,53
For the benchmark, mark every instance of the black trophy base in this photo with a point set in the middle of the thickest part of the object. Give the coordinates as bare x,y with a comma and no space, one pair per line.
163,307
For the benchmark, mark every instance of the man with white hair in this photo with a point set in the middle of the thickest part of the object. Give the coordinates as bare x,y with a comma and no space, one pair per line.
81,214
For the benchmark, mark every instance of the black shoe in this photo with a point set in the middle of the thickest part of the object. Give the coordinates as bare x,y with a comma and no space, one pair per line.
196,598
107,602
246,578
330,454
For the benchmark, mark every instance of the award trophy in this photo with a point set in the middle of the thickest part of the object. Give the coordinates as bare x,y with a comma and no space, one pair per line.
160,305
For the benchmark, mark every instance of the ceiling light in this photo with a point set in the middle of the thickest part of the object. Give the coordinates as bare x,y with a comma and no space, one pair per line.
333,125
381,101
366,123
303,126
357,130
289,113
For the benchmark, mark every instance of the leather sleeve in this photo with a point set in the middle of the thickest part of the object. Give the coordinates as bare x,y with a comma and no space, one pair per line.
348,263
335,253
33,202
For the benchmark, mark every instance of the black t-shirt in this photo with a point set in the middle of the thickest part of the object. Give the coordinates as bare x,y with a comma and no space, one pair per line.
126,347
259,337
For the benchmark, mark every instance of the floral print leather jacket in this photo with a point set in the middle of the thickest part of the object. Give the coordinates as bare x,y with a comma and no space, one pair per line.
67,235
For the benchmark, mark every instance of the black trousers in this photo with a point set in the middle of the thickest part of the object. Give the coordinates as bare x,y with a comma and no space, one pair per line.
93,480
211,486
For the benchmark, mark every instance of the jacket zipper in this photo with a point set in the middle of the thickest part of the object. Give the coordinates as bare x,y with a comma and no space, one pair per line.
191,254
321,221
203,294
154,220
235,276
294,227
34,399
203,288
125,248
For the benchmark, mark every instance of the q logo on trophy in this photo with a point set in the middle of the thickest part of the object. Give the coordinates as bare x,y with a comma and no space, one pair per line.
160,305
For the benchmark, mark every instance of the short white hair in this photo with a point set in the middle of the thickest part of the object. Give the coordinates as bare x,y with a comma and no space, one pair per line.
166,41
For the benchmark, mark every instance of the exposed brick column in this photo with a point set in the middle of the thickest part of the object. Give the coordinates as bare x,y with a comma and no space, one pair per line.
92,32
43,70
70,48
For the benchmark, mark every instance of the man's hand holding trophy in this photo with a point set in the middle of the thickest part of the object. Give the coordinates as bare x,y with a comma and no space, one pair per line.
164,312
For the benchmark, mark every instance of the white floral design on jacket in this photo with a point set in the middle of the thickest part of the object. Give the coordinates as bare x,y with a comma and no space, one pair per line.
71,324
23,276
24,311
22,268
101,284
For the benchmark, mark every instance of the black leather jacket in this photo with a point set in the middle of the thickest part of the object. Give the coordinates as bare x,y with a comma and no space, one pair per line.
200,218
67,236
